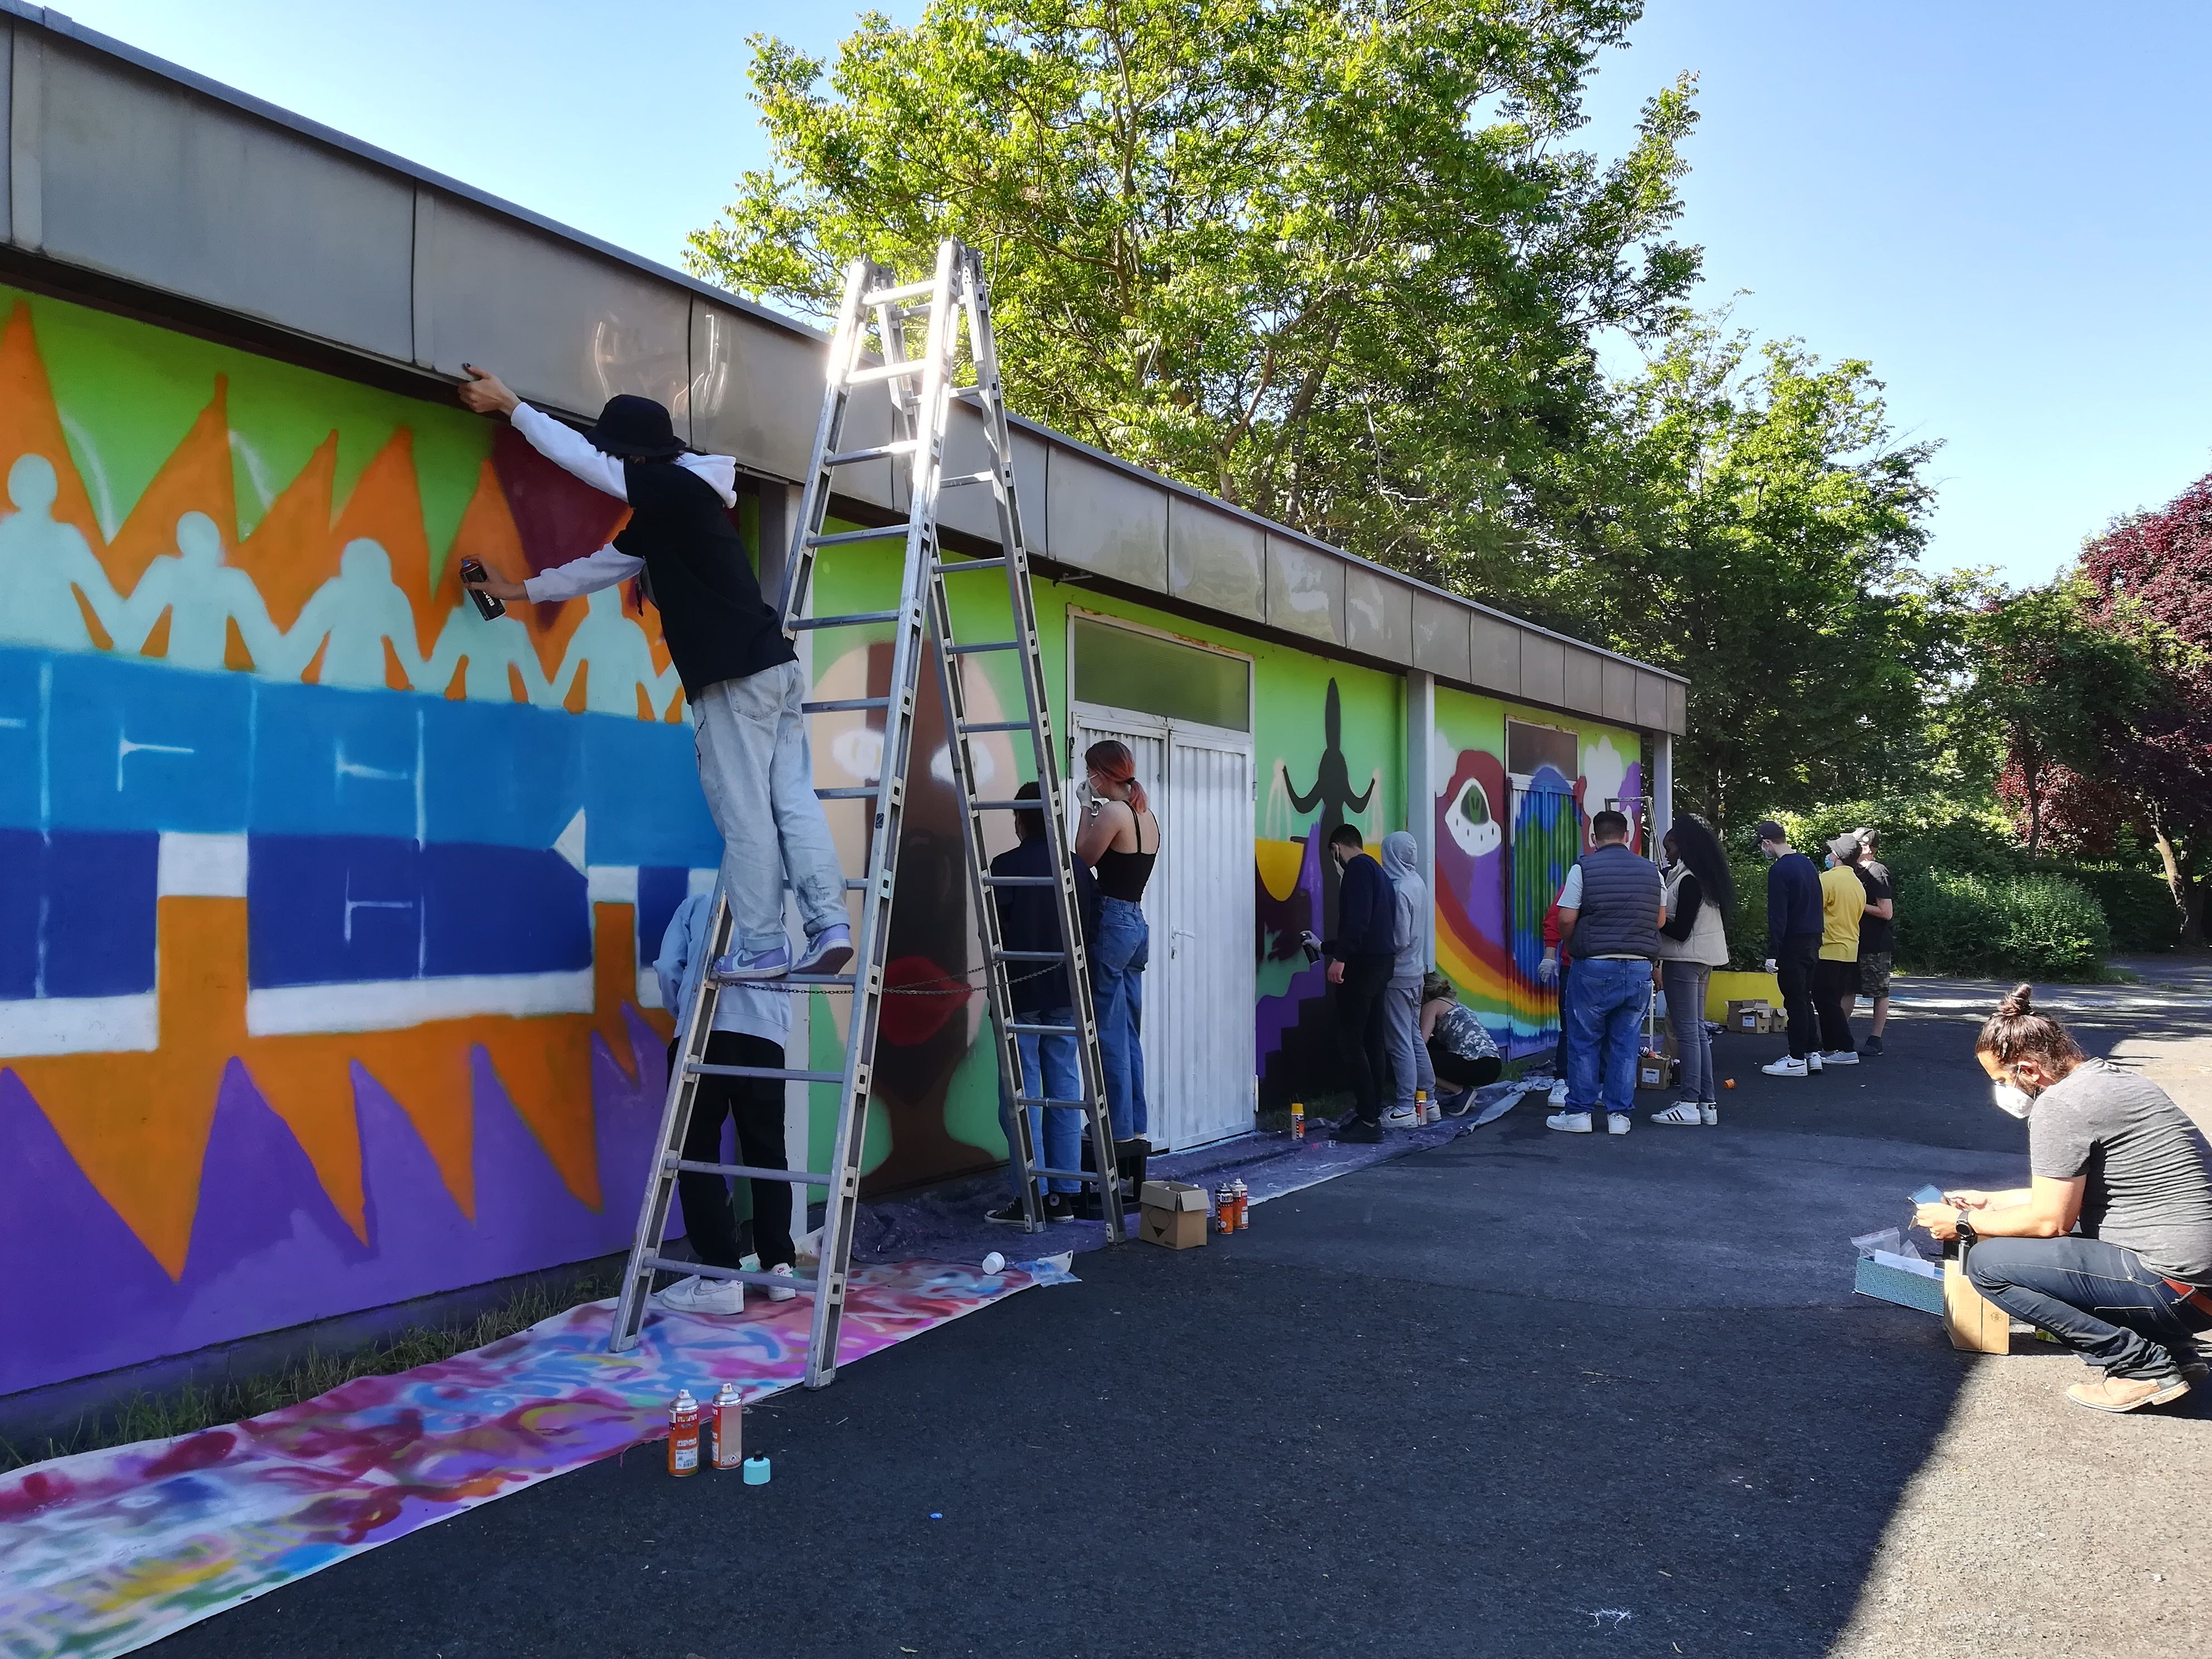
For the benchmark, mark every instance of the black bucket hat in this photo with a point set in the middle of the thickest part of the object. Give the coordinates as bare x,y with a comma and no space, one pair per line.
636,428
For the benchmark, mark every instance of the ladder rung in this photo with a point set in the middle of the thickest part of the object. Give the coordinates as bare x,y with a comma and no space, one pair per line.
700,1068
852,619
988,645
887,372
1021,881
844,705
873,453
995,726
955,566
1030,956
819,979
839,538
973,394
1030,805
958,478
747,1171
891,296
865,792
1089,1177
743,1275
1042,1030
1072,1105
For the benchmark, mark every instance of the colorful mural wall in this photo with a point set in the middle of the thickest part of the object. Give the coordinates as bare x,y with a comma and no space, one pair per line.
324,900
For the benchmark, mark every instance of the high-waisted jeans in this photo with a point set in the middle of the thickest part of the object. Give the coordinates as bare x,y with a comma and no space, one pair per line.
1118,957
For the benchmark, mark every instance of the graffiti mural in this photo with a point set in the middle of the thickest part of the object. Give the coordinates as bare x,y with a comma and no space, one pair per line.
326,899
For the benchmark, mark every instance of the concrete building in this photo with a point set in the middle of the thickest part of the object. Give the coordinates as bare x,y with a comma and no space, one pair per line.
325,907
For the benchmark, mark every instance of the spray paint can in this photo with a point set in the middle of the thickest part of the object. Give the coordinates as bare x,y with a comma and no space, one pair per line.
1244,1198
1298,1119
473,570
683,1434
1225,1209
729,1428
1425,1110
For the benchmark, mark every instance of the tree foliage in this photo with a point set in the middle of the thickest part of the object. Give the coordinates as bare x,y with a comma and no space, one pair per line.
1338,261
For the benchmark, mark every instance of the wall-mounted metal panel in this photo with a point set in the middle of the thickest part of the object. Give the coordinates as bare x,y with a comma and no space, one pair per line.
1440,644
1216,560
1678,707
7,126
1651,700
1617,689
1305,590
1032,482
560,326
1495,649
1378,615
141,179
754,389
1103,519
1543,670
1583,688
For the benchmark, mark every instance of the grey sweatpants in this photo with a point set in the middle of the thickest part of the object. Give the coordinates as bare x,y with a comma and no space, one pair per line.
1409,1055
758,775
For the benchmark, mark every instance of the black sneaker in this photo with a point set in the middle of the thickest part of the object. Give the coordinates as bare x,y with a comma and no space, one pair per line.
1009,1214
1056,1208
1361,1132
1871,1046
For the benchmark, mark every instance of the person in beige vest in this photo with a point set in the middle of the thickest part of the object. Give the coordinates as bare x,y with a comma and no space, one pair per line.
1693,942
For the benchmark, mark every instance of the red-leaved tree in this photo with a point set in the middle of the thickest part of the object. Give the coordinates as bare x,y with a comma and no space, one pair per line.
2150,578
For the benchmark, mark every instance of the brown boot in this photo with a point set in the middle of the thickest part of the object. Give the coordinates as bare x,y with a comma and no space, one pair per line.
2127,1394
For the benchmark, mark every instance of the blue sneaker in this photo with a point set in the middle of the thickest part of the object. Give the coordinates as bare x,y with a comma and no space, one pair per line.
741,965
827,950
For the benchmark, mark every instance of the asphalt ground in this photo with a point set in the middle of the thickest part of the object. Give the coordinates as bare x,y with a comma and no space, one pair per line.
1525,1395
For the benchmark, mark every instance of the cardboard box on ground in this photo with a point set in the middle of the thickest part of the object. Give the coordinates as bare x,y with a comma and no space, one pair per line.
1172,1215
1755,1015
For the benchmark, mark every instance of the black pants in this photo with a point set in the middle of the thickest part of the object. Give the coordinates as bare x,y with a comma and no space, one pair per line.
1800,954
757,1104
1835,986
1363,1033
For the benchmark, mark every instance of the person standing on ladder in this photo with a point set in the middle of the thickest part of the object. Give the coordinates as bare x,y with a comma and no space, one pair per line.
739,672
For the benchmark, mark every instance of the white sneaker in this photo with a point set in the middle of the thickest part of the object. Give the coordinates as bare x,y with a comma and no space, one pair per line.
1812,1063
1788,1066
1682,1112
1709,1111
1841,1057
695,1295
777,1292
1400,1117
1571,1123
1559,1099
1618,1123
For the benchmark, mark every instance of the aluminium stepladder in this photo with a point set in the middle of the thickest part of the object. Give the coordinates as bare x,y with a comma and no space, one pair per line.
923,390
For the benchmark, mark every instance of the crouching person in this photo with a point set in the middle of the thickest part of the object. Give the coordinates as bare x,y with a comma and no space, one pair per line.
1459,1051
753,1022
2110,1151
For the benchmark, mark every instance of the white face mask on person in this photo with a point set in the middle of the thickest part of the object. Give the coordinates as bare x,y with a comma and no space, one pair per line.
2011,1098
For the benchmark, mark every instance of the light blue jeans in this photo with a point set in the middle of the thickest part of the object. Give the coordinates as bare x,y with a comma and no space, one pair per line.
758,776
1610,997
1117,989
1050,1071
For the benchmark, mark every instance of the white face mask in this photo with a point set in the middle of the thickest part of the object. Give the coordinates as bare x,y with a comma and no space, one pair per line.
2011,1098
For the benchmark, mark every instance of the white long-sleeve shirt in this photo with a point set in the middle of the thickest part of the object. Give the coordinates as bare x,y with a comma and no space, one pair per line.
574,453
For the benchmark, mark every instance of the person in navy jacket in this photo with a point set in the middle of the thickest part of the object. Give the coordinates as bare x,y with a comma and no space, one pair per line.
1360,960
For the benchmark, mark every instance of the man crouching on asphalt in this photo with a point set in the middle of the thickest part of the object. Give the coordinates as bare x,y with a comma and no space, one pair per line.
740,674
2129,1288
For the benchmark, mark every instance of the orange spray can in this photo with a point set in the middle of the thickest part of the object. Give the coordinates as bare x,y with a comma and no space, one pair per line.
683,1434
1298,1119
729,1428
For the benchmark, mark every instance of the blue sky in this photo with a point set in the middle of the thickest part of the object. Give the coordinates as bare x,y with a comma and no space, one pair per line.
2001,205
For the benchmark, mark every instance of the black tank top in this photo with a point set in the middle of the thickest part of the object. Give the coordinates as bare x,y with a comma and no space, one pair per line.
1123,875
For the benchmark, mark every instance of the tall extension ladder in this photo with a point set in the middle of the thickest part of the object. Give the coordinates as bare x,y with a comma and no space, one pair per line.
922,391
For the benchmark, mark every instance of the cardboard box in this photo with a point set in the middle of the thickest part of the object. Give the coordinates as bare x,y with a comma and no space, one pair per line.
1754,1015
1172,1215
1908,1283
1976,1323
1654,1070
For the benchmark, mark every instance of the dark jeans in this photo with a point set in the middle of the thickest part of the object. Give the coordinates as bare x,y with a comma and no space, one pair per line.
2097,1298
1363,1033
1560,1049
1835,988
757,1104
1793,968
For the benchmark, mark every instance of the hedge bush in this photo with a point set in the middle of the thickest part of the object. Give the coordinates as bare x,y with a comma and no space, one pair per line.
2006,926
2138,905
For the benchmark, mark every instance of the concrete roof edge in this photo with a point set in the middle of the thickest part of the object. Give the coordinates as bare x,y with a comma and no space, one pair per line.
61,25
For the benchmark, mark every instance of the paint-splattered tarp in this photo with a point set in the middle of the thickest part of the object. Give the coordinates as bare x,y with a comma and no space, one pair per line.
105,1552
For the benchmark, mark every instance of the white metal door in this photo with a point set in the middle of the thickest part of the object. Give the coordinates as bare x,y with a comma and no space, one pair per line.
1199,988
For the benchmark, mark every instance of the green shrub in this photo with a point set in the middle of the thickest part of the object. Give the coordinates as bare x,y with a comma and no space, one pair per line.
2136,902
1747,923
2042,927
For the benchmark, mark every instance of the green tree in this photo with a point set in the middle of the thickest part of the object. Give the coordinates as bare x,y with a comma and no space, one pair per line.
1755,523
1338,261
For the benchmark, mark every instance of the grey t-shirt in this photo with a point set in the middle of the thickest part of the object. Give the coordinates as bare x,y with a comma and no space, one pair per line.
2148,1189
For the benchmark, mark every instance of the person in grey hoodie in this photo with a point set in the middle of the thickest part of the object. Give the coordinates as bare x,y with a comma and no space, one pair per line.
1401,1000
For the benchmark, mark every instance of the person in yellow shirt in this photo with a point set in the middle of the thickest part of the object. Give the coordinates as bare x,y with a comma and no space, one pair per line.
1836,976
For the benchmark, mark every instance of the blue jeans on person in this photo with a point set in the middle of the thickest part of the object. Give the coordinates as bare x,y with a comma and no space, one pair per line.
1118,957
1560,1049
1050,1071
2097,1298
1610,997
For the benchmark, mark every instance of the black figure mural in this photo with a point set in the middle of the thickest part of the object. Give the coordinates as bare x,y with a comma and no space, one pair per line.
1331,796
